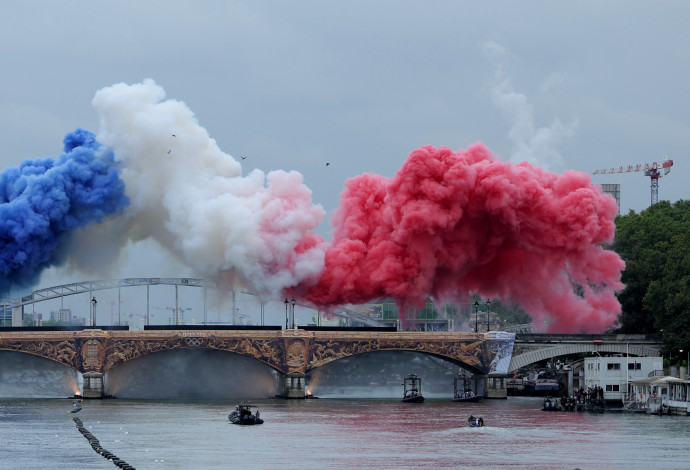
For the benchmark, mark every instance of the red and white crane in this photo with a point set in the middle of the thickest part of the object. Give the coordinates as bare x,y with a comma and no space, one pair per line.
653,170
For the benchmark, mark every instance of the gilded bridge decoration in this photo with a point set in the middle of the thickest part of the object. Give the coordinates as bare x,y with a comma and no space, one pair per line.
288,351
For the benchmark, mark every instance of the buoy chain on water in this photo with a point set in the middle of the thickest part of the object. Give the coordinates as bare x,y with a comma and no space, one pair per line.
96,445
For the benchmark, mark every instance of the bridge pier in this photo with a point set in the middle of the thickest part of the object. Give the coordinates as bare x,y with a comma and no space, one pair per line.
94,385
293,385
495,386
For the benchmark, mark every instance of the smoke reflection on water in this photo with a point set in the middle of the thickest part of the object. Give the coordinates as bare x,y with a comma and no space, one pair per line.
191,373
26,376
380,375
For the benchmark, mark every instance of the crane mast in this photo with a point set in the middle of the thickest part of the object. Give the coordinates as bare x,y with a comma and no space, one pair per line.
654,170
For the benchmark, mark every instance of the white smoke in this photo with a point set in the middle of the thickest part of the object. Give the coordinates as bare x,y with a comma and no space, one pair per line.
537,146
253,231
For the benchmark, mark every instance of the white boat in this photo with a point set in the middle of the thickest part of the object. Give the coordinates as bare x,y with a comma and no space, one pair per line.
659,395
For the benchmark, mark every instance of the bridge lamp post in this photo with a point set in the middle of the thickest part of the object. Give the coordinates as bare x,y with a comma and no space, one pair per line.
476,316
93,320
286,313
488,311
292,301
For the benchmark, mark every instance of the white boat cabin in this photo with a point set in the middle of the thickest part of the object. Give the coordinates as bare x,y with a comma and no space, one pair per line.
667,395
613,374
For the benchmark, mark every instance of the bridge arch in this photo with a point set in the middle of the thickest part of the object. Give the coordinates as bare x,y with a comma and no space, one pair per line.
52,355
62,350
538,355
331,360
191,373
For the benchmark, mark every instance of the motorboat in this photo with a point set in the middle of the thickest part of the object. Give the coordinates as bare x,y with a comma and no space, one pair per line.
244,414
551,404
546,384
519,386
462,392
568,403
475,422
412,389
467,396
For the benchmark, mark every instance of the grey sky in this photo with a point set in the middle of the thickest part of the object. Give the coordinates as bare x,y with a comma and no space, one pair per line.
293,85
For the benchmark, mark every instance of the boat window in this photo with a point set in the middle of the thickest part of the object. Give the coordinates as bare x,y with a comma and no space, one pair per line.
613,388
614,366
634,366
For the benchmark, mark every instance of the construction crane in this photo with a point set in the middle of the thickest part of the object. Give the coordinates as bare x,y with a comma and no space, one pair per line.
178,313
653,170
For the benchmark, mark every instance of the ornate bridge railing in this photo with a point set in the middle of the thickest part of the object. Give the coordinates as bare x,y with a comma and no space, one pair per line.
288,351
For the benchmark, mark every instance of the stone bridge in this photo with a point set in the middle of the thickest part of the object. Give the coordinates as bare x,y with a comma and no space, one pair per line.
532,348
295,352
292,352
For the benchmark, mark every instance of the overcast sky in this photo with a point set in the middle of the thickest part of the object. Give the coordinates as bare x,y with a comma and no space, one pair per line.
293,85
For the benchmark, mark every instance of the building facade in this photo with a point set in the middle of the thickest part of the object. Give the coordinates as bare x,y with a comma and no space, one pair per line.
614,374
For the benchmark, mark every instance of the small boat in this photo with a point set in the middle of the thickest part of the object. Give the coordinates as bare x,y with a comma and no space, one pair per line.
568,403
519,386
546,384
475,422
468,396
243,415
464,393
412,389
551,404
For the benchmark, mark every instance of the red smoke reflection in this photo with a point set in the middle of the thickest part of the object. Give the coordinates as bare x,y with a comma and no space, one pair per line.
449,223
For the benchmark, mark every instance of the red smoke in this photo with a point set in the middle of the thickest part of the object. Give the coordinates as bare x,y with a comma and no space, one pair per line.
449,223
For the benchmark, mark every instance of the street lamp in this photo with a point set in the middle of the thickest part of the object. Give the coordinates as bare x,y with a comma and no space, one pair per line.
292,301
476,316
680,359
488,310
94,302
286,313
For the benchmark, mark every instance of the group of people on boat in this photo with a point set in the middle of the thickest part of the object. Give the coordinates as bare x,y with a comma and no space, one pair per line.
475,422
243,415
592,394
466,394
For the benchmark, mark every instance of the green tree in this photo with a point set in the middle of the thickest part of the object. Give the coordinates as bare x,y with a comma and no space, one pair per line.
655,247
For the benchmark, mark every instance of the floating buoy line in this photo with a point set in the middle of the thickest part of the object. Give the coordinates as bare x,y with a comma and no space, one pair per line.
95,445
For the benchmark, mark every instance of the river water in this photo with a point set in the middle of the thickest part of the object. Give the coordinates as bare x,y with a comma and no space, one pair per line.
335,433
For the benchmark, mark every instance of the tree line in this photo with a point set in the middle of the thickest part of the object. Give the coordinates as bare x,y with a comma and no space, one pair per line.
655,245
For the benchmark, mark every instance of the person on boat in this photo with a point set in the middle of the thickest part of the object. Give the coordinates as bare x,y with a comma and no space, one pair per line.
480,421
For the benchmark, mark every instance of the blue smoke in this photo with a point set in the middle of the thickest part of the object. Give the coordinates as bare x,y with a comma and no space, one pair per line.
42,201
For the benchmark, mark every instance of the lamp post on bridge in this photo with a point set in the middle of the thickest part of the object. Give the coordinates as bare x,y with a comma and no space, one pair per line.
488,311
292,301
476,316
286,313
93,319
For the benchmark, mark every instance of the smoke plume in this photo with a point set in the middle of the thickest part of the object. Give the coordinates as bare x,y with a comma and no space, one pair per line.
252,230
449,223
42,201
